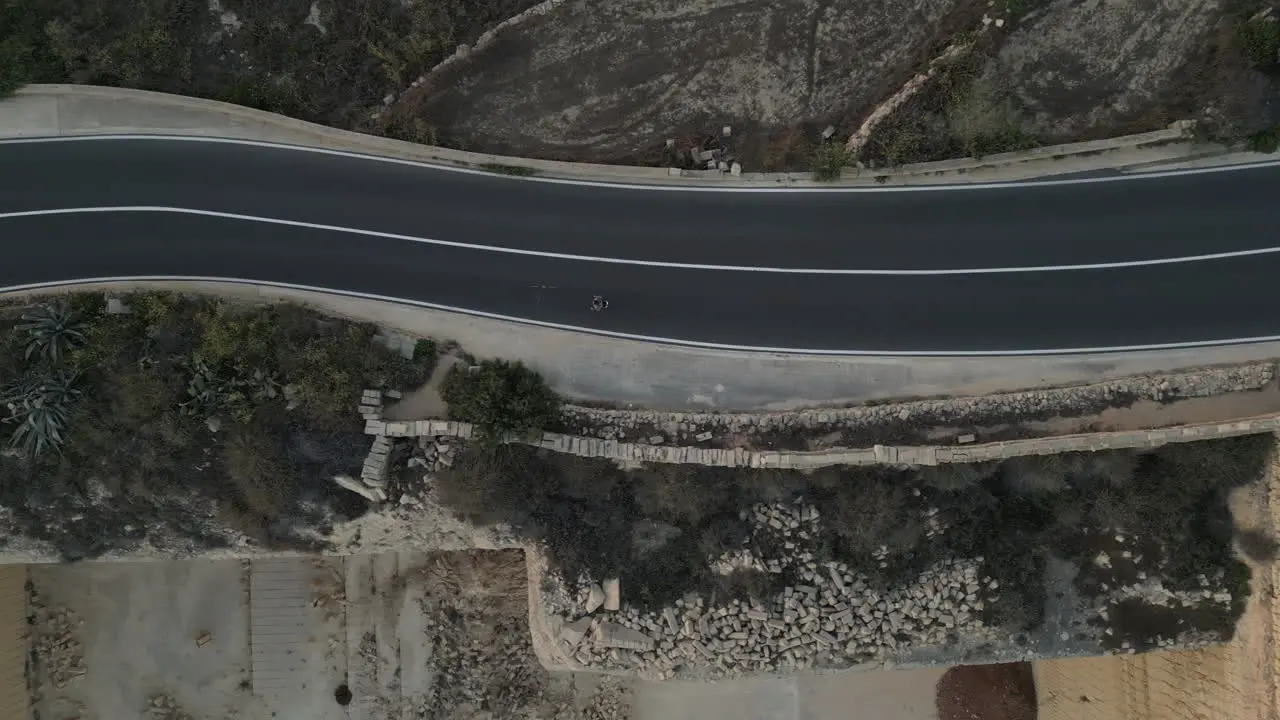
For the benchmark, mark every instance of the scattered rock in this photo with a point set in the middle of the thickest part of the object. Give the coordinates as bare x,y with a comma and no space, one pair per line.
573,633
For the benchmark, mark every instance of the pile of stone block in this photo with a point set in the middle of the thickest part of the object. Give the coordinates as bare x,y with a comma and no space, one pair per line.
836,618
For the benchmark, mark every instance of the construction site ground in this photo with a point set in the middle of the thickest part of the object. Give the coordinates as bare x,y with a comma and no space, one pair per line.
1236,681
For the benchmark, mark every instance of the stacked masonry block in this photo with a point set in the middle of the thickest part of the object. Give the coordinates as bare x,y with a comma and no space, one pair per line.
801,460
374,473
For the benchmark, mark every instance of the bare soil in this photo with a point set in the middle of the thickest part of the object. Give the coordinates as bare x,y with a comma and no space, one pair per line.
987,692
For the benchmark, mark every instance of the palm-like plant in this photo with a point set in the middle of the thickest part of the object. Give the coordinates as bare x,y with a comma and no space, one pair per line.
39,404
52,329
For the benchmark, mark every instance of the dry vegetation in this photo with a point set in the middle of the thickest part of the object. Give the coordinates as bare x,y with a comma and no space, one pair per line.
183,400
657,527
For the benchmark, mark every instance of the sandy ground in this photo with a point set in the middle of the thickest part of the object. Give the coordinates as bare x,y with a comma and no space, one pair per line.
137,627
13,643
1236,681
596,81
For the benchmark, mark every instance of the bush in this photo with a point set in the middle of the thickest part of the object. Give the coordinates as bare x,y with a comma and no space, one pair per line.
829,161
1265,141
501,398
1259,42
12,67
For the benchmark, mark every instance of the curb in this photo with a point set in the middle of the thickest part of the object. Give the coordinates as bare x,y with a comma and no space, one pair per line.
247,123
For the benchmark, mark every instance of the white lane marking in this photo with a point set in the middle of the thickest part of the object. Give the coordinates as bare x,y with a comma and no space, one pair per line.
1234,254
649,186
641,338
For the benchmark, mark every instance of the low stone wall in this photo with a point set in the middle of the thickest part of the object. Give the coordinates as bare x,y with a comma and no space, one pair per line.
877,455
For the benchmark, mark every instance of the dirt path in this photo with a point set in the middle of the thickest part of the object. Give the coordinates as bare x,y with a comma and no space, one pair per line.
1236,681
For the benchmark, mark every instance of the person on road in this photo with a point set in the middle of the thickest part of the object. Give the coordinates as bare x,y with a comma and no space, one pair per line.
598,303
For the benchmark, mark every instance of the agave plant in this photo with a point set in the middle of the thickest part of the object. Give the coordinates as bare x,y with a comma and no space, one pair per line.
39,404
52,329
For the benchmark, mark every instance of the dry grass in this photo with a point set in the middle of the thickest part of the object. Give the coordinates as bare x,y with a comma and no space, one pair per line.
489,582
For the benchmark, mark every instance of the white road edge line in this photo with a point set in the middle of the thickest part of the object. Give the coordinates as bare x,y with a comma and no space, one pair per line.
1234,254
71,283
1123,177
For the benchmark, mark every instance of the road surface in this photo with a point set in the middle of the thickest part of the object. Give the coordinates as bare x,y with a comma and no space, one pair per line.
1082,265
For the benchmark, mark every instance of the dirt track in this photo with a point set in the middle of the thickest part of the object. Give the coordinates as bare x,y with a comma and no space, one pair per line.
1236,681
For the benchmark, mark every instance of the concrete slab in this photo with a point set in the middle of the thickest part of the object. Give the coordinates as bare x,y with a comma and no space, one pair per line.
141,624
755,699
884,695
387,640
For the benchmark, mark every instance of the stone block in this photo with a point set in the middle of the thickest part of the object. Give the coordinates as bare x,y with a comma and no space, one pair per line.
573,633
613,635
612,595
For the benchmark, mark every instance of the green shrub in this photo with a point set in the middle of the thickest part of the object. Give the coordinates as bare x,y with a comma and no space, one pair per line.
13,73
514,170
1265,141
829,161
1259,42
501,397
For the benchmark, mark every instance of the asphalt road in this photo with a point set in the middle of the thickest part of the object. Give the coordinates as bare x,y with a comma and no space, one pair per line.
823,238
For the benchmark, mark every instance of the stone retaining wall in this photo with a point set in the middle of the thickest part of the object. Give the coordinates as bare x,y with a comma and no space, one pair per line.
877,455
